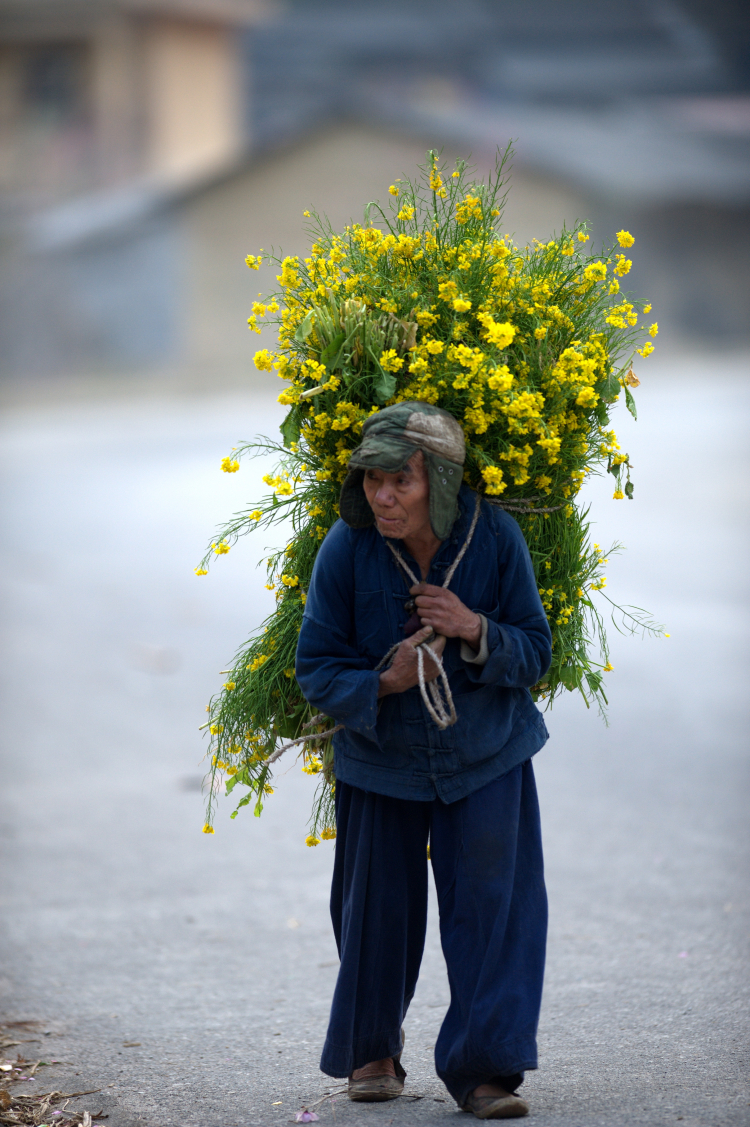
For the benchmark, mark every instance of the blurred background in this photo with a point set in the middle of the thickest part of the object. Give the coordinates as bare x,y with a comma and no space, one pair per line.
147,146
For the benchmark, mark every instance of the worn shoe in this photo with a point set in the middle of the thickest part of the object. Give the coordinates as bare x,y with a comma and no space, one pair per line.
505,1106
372,1084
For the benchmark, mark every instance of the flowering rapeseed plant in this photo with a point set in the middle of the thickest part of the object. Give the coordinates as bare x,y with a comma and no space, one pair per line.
528,347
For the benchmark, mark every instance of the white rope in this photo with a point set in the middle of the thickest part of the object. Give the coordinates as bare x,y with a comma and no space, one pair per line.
300,740
442,711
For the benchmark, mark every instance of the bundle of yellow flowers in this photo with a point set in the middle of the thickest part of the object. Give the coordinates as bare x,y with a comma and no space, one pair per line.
528,347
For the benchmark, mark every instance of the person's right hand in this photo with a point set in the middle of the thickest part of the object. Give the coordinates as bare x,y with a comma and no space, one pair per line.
402,673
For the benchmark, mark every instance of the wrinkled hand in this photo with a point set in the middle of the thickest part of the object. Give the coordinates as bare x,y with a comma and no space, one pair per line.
402,674
446,614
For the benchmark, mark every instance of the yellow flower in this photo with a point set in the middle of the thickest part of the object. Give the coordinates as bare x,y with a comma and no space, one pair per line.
654,329
582,237
221,548
647,309
608,667
306,214
312,840
493,475
208,829
288,276
393,190
587,397
256,514
647,349
229,465
436,181
231,770
201,571
498,333
328,834
618,495
470,208
625,239
290,580
263,360
253,261
390,362
406,213
447,290
267,789
623,265
540,333
216,729
461,305
595,271
229,685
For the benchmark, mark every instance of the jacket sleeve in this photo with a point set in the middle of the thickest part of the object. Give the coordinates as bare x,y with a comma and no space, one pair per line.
519,643
332,675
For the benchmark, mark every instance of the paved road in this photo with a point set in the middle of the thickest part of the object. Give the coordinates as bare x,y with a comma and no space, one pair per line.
123,923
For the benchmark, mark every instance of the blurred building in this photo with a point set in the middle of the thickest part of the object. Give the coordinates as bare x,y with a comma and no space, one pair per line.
95,93
148,145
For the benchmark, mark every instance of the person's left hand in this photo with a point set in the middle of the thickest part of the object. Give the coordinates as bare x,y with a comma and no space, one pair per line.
446,614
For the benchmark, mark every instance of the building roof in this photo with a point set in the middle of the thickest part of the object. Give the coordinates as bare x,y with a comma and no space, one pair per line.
43,18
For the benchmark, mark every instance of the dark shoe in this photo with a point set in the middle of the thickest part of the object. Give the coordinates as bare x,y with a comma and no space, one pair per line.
378,1086
505,1106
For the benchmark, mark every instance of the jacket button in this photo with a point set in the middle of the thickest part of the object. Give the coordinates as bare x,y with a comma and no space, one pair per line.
444,481
450,471
440,469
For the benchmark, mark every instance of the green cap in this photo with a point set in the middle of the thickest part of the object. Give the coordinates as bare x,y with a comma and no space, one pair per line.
389,440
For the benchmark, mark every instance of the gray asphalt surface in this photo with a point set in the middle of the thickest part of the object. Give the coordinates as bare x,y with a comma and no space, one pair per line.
123,923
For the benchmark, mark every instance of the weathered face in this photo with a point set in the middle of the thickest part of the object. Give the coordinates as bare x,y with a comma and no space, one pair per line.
400,501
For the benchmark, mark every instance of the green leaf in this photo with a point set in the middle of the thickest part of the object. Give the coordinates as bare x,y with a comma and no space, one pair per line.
305,328
630,402
331,351
384,386
244,802
288,727
290,428
629,490
594,681
569,676
609,388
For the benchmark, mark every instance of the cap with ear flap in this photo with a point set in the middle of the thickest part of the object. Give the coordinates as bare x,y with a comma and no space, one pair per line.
389,440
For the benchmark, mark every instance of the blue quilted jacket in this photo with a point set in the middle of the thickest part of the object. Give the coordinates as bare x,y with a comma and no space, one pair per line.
355,611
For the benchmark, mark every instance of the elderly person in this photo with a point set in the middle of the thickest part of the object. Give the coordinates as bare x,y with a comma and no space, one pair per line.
404,781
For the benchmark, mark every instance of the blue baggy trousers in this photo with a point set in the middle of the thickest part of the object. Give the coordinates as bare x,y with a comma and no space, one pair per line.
486,853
